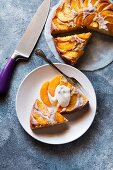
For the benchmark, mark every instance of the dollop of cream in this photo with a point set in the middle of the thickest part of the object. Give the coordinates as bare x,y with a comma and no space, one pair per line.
52,99
62,95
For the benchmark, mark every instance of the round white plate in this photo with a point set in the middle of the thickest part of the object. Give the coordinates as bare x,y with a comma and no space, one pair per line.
29,91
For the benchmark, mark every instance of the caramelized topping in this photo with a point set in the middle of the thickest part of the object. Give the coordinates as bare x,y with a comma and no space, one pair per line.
82,13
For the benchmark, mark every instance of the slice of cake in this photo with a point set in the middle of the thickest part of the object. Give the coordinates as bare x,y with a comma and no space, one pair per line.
42,117
71,48
58,96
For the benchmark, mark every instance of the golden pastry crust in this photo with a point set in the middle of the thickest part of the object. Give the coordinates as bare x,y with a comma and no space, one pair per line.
76,14
71,48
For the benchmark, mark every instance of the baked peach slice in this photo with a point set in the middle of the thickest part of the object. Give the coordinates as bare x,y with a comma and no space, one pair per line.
71,48
53,84
64,39
72,103
65,13
44,93
41,117
109,19
59,118
86,3
101,1
64,18
76,5
77,101
101,6
66,46
57,26
89,19
93,2
67,10
79,20
107,13
84,36
94,25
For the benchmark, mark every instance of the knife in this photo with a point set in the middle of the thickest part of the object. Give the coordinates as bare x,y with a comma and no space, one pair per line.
26,45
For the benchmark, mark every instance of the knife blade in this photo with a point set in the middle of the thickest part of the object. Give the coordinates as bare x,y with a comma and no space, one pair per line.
26,45
34,30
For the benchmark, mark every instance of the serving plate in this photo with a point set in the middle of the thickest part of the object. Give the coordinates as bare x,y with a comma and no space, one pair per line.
28,92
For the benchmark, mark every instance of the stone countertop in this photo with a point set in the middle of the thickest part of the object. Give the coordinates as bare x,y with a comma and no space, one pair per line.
93,151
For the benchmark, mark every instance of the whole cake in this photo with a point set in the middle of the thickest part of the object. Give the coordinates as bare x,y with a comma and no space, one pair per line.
77,14
74,15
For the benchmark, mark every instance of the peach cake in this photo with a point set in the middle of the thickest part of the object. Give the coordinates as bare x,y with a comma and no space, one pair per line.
57,97
74,15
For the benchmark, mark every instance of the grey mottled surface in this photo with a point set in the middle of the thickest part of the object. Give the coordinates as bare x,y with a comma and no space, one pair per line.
18,151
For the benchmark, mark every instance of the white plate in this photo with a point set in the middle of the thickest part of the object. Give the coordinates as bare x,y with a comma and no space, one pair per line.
29,91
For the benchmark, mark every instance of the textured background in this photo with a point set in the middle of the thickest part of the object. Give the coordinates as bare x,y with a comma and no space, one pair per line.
18,151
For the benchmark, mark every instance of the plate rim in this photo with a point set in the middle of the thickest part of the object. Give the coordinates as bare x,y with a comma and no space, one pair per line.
45,65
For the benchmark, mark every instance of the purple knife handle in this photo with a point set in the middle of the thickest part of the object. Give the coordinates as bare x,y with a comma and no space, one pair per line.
5,76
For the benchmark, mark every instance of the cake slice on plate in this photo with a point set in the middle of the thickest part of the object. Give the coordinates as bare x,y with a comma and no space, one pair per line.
58,96
71,48
42,117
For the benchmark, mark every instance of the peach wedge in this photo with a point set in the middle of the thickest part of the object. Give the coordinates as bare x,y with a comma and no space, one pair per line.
44,93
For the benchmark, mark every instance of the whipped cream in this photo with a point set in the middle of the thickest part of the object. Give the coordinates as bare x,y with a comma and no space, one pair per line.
62,95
